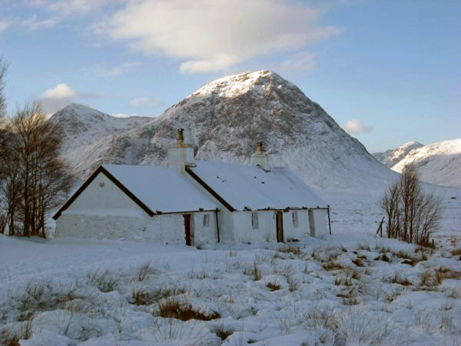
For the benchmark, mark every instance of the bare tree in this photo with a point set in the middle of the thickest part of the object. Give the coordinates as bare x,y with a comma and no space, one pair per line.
3,68
35,176
412,214
390,204
3,138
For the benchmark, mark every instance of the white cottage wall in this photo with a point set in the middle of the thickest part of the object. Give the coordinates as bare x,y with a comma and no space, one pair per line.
168,228
291,232
243,229
102,210
321,222
104,194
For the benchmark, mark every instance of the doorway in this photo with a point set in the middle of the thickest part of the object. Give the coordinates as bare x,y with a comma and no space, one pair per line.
188,228
279,222
311,223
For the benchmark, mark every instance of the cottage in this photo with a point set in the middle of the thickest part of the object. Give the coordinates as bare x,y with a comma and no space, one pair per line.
194,202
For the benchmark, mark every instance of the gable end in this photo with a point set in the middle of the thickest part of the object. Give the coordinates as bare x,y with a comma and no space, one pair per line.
109,176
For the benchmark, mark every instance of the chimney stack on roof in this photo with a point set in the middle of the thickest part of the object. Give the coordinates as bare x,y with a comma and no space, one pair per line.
181,154
261,157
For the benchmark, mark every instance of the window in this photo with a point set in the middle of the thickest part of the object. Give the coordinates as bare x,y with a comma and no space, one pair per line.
206,220
295,219
254,220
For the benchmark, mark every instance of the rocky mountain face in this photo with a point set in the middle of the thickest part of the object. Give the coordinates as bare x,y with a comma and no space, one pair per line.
224,119
392,156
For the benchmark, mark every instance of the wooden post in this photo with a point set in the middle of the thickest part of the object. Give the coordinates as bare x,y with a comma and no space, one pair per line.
380,228
329,220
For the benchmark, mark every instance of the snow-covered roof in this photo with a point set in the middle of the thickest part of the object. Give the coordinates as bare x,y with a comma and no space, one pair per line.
251,187
161,189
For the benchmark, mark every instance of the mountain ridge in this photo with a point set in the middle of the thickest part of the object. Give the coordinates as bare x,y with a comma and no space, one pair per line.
225,118
437,163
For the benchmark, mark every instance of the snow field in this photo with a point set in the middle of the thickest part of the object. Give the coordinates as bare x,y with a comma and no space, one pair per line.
360,291
353,288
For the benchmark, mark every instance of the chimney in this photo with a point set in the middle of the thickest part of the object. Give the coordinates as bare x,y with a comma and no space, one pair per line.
260,157
180,154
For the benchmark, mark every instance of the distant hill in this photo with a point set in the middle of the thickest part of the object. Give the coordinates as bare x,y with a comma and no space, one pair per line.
438,163
392,156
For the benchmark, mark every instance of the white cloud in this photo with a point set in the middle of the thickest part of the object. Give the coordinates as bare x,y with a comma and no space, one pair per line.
146,102
61,9
3,26
210,35
61,95
302,62
355,127
60,91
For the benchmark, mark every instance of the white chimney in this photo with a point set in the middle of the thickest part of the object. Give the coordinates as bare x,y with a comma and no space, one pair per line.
260,157
180,154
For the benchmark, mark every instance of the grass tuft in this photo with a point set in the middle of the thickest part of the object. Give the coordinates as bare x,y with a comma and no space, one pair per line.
172,308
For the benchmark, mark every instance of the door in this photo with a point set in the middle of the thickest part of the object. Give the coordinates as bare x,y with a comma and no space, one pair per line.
279,222
311,223
188,229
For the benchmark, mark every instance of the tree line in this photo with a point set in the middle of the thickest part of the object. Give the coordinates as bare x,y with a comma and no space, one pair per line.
32,177
412,214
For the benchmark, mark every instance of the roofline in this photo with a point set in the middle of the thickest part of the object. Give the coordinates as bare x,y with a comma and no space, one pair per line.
117,183
209,189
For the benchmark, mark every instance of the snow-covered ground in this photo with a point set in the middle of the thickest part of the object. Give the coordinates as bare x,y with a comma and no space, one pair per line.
352,288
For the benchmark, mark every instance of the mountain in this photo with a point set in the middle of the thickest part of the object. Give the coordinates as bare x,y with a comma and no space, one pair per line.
438,163
224,119
87,135
392,156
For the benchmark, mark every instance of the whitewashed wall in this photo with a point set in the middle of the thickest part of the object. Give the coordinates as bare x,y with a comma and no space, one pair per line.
103,211
243,229
290,231
321,223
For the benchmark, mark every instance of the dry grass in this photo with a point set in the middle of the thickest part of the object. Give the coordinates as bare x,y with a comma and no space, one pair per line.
447,273
359,262
172,308
254,271
40,296
431,278
223,333
397,279
10,337
330,266
383,257
364,247
149,297
272,286
105,281
144,271
291,249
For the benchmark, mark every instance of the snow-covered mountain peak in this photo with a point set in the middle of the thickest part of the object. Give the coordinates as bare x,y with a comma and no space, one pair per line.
234,85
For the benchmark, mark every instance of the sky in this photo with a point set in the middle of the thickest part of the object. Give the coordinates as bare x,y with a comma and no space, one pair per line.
387,71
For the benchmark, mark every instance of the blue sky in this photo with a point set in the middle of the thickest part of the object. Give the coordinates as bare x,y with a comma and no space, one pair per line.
386,70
